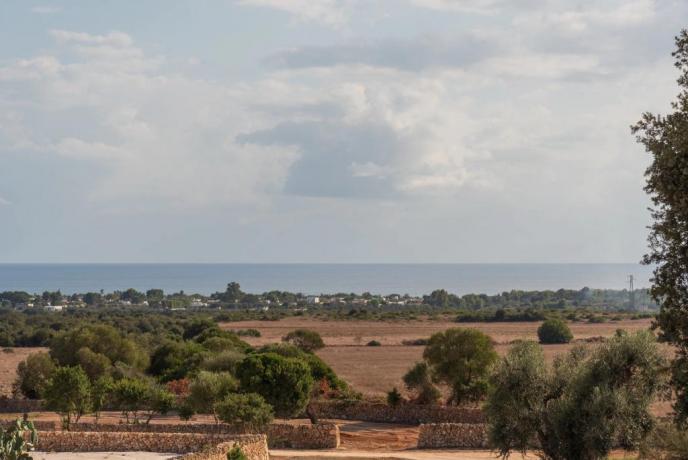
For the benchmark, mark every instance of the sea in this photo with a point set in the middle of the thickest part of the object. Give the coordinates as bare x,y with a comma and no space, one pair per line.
412,279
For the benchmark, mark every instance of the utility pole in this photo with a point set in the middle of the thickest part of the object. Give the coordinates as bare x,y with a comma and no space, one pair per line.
631,292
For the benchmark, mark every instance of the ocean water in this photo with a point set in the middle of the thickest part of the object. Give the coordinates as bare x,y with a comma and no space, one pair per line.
414,279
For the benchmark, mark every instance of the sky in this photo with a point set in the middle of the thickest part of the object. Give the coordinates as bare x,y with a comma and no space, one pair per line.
329,130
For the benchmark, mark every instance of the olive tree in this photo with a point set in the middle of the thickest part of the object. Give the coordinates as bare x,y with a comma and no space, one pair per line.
584,405
207,389
33,374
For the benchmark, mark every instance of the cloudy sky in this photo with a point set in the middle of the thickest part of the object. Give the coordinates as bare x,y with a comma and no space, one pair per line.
328,130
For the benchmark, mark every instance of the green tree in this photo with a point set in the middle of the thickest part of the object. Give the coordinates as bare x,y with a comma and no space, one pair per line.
68,393
248,411
461,359
304,339
667,184
95,365
176,360
101,390
207,389
33,374
554,331
285,383
99,338
419,381
586,404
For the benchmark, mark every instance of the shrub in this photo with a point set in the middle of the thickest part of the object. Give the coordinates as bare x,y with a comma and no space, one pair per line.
225,361
461,359
33,375
248,411
100,338
666,442
135,396
554,331
373,343
235,453
305,339
415,342
419,381
176,360
14,444
248,333
285,383
207,389
319,369
587,403
95,365
394,398
68,393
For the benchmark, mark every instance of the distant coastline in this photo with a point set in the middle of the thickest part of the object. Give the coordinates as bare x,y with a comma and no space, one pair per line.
412,279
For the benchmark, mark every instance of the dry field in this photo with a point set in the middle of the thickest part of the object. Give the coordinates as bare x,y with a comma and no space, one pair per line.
337,333
375,370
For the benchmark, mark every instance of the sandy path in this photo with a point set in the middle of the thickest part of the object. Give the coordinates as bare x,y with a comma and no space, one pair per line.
101,455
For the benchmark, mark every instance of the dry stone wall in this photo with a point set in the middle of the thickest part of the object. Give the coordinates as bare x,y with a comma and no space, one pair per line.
179,443
452,435
19,406
254,447
280,435
412,414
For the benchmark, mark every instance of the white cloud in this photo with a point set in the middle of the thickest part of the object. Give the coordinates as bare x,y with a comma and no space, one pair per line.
329,12
115,39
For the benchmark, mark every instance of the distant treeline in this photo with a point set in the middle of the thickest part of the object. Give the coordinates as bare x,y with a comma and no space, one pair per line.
233,297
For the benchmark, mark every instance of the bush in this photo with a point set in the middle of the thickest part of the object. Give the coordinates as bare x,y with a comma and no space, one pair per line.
33,374
207,389
305,339
415,342
285,383
225,361
394,398
176,360
554,331
319,369
235,453
248,411
666,442
68,393
587,403
95,365
419,381
461,359
248,333
373,343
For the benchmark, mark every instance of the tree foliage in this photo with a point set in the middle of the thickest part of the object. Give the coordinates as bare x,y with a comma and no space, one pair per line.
305,339
586,404
207,389
461,359
285,383
248,411
554,331
33,374
664,137
68,393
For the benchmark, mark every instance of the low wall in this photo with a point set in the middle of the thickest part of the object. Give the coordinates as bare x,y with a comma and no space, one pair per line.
254,447
413,414
178,443
279,435
452,435
19,406
40,425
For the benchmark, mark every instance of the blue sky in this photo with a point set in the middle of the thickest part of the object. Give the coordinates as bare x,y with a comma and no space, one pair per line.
328,130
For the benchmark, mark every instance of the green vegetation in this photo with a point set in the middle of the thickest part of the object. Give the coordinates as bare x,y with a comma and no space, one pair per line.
68,392
207,389
33,375
235,453
374,343
285,383
304,339
554,331
582,407
14,444
667,184
460,359
248,411
394,398
419,382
